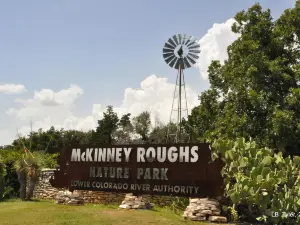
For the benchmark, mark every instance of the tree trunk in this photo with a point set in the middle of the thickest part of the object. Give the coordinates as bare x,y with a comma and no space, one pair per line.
22,177
32,182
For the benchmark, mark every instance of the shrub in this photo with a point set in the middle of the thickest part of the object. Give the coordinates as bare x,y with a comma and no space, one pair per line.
2,174
178,204
263,182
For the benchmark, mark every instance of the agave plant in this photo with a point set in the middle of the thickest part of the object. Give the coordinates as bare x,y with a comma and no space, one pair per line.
2,174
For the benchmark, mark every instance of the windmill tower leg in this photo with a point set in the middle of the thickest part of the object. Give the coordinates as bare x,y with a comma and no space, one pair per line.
179,95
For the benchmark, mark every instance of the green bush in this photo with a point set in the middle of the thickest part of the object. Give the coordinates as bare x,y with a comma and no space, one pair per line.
261,180
178,204
9,192
2,174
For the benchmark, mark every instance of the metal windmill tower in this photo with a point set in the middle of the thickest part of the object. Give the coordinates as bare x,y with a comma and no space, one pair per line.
180,52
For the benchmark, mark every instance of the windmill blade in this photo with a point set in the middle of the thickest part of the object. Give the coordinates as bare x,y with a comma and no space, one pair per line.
175,39
167,45
166,50
186,62
190,59
167,55
188,40
194,56
173,62
185,37
180,38
195,51
168,60
195,47
192,43
172,55
171,42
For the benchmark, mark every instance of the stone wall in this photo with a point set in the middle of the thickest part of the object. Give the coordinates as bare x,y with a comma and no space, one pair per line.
44,190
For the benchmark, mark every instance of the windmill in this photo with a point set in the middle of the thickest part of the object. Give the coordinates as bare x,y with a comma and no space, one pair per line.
180,52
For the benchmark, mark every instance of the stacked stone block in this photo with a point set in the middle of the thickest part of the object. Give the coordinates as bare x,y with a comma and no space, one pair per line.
202,209
135,202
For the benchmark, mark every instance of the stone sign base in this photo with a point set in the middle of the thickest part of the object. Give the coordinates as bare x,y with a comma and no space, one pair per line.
69,198
135,202
204,209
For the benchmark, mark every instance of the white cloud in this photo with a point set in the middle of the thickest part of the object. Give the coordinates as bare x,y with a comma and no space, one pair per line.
49,108
214,45
47,103
154,95
12,88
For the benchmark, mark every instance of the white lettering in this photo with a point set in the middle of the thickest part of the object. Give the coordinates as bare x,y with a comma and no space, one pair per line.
118,154
127,154
150,154
88,156
161,154
101,155
184,153
83,157
194,153
172,154
96,155
141,154
75,155
139,173
110,154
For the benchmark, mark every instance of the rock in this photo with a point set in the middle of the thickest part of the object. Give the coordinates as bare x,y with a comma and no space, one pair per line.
216,212
197,218
67,198
194,200
124,206
218,219
206,212
134,202
200,209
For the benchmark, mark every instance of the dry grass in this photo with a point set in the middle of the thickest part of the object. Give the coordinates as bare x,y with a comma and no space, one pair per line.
46,212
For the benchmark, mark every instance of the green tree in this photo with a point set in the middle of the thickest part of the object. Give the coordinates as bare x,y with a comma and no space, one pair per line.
107,127
142,125
76,137
125,130
52,140
256,92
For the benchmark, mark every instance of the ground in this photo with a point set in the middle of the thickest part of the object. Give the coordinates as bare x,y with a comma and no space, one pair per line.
47,212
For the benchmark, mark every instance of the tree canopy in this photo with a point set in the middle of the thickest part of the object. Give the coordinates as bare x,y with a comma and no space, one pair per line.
255,93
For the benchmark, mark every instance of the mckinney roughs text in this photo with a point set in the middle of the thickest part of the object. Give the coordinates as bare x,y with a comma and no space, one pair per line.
160,154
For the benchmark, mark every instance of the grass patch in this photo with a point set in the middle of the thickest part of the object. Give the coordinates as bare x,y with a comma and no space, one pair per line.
15,212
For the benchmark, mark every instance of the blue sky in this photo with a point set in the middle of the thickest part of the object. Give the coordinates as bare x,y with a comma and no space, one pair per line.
102,46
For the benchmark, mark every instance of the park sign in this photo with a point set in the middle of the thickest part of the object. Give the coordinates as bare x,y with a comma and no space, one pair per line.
155,169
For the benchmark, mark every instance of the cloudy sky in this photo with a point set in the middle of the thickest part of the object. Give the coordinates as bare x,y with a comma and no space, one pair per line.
63,61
